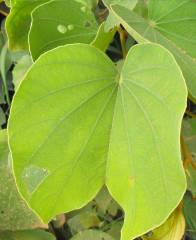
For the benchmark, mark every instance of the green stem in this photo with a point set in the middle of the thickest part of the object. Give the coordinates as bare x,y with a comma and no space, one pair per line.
3,72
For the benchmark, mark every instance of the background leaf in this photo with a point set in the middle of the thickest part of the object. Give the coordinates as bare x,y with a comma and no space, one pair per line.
58,23
26,235
189,134
92,234
18,23
14,213
190,217
171,24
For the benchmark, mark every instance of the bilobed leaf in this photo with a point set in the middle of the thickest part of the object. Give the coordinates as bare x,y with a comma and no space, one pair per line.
171,24
18,23
172,229
93,138
92,234
58,23
14,213
26,235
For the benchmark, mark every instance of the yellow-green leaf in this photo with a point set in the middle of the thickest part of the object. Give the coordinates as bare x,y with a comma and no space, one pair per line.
172,229
115,127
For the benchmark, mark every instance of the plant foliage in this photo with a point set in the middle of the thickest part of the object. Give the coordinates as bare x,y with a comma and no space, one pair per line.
98,139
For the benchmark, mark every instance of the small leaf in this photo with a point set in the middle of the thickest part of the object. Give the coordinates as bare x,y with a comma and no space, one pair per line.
92,234
189,132
115,228
172,229
191,179
2,117
130,4
18,23
112,21
83,221
27,235
103,200
71,22
20,69
94,134
171,24
14,213
103,38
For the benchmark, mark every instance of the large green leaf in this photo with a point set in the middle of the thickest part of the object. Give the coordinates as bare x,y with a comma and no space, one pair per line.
14,213
95,125
18,23
60,22
170,23
26,235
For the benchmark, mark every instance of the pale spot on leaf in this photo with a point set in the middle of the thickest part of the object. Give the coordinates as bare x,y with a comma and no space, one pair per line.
70,27
83,9
62,29
33,176
131,181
